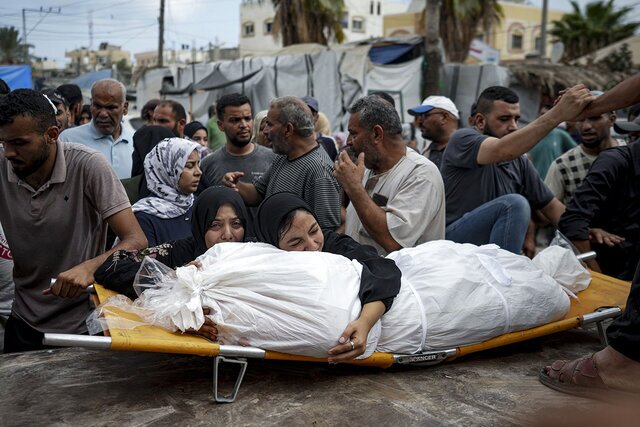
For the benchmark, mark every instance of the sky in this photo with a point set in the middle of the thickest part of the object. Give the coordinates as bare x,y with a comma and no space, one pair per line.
133,24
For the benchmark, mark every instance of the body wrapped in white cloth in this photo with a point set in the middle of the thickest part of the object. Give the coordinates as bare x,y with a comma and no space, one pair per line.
300,302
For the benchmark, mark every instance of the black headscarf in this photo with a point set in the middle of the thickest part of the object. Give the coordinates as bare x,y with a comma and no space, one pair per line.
206,208
144,140
273,210
193,127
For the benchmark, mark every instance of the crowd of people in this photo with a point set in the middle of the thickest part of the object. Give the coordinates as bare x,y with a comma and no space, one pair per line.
93,195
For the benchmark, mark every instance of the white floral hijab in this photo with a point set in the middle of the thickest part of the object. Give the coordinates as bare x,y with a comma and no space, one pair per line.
162,168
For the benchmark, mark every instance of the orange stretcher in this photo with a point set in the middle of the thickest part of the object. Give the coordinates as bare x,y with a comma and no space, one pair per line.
603,299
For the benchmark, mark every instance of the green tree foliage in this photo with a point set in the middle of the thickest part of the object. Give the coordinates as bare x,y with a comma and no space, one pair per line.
308,21
462,20
600,25
620,60
11,49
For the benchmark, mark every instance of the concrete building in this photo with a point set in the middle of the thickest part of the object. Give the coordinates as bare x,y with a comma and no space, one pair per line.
85,60
362,20
516,37
184,56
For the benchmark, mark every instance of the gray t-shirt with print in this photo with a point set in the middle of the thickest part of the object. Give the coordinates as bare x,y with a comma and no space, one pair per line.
254,164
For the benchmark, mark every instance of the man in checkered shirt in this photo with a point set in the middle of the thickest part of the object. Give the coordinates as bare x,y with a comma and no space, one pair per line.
567,171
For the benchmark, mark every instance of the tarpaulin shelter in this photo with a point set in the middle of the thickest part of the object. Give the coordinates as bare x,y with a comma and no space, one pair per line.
16,76
336,77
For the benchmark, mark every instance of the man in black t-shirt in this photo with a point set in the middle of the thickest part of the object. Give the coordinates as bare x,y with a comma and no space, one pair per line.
490,186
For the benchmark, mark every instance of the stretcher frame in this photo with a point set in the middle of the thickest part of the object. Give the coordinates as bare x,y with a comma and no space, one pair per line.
603,300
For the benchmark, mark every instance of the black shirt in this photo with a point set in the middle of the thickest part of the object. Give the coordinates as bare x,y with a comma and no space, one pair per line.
469,185
609,198
380,280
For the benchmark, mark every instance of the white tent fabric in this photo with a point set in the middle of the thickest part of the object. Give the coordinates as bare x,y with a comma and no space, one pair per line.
336,78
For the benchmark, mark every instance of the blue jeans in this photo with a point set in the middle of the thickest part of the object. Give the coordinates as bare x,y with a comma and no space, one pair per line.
502,221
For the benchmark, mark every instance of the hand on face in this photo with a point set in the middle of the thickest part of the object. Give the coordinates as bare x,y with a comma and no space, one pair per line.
348,173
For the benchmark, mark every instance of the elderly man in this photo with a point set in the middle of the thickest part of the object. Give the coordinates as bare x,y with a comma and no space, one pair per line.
303,167
490,185
397,195
57,199
171,115
105,132
437,118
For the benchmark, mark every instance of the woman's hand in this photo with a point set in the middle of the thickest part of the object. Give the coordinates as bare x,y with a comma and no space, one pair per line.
198,265
353,341
208,330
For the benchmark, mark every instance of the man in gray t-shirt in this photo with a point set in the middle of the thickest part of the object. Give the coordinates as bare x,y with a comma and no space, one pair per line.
57,200
490,186
235,119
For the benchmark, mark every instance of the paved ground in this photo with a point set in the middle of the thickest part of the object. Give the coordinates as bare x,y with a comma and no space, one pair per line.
84,387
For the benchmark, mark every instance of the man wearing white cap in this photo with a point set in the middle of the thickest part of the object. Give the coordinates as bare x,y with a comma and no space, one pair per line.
491,187
437,119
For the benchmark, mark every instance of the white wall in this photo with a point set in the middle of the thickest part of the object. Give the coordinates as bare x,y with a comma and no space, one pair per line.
259,12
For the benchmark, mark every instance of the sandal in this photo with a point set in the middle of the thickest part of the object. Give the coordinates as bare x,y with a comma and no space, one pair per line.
579,378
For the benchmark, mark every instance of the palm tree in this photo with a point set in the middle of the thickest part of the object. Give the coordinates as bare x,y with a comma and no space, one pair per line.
432,48
599,26
308,21
460,21
12,51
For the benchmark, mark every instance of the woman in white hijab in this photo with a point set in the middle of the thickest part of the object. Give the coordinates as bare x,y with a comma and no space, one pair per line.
172,171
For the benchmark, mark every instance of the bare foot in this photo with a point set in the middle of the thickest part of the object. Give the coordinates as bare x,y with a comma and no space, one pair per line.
618,371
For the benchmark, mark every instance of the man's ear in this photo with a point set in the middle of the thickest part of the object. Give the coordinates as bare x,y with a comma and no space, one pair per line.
378,134
125,108
480,122
51,134
289,130
220,125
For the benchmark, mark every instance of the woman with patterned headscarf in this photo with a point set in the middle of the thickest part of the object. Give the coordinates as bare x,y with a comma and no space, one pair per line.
172,171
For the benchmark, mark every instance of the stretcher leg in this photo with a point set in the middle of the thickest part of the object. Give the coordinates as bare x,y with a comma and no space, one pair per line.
219,398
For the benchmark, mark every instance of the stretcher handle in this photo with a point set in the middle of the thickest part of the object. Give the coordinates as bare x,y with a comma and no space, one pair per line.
89,289
586,256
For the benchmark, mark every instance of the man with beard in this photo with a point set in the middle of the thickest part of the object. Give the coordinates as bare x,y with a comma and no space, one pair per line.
437,119
490,185
303,168
171,115
57,200
105,132
567,171
235,119
73,96
396,194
